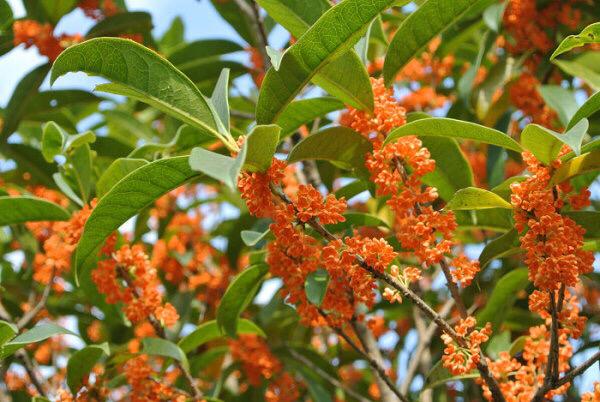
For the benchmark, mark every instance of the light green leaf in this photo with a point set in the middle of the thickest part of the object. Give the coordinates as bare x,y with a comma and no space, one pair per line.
333,34
560,99
196,54
275,57
591,106
429,20
124,22
451,128
126,126
341,145
492,16
471,198
237,297
115,172
139,73
588,162
346,77
503,297
21,97
53,140
14,210
77,140
304,111
55,9
316,286
252,238
81,363
7,332
584,66
220,101
210,331
63,185
545,143
590,34
502,246
173,38
165,348
36,334
217,166
262,144
82,170
129,196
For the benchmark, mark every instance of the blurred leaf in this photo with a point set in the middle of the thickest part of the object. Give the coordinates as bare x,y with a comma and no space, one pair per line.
135,22
431,19
36,334
238,295
334,33
262,144
492,16
220,101
209,331
7,332
451,128
439,375
21,96
591,106
590,34
336,144
81,363
476,198
588,162
173,38
252,238
6,15
14,210
316,286
231,13
55,9
502,246
498,343
127,127
128,197
496,219
560,99
275,57
503,297
53,141
165,348
580,68
64,186
545,144
589,220
197,53
358,219
304,111
116,171
81,160
141,74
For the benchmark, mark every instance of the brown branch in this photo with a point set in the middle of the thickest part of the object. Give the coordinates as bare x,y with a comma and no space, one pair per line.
31,371
334,381
252,15
568,377
30,315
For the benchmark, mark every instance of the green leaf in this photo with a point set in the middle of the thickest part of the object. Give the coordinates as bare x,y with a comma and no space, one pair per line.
429,20
545,143
252,238
217,166
238,20
165,348
36,334
209,331
7,332
451,128
82,169
262,144
357,219
6,15
589,220
503,297
497,219
275,56
197,53
590,34
492,16
141,74
560,99
129,196
124,22
21,97
115,172
127,127
316,286
452,170
173,38
591,106
237,297
220,101
471,198
14,210
346,77
63,185
588,162
81,363
502,246
333,34
498,343
341,145
77,140
439,375
53,140
583,66
55,9
304,111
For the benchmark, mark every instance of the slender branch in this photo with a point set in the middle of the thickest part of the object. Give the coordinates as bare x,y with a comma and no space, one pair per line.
31,371
453,288
160,331
568,377
30,315
334,381
252,15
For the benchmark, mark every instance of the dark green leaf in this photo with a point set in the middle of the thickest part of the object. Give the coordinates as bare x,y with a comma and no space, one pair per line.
237,297
439,375
81,363
7,332
304,111
316,286
55,9
125,22
503,246
115,172
560,99
36,334
590,34
210,331
262,144
15,210
165,348
53,140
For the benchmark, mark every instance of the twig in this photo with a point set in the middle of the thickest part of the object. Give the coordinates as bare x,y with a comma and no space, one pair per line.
334,381
30,315
31,371
252,15
568,377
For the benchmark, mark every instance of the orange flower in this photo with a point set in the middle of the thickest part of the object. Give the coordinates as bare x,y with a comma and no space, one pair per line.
524,95
32,33
462,359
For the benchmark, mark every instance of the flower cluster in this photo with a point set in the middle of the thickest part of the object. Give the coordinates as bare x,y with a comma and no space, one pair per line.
525,96
95,10
140,372
259,363
552,242
32,33
140,295
461,359
258,66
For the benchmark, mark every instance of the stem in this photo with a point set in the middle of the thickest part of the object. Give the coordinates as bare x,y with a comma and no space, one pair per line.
577,370
252,15
30,315
31,371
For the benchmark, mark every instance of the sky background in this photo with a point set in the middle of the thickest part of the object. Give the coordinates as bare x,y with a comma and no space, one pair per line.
201,22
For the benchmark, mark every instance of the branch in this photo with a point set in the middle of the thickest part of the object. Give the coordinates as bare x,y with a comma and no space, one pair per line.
31,371
252,15
30,315
334,381
577,370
